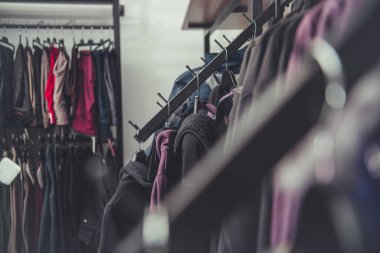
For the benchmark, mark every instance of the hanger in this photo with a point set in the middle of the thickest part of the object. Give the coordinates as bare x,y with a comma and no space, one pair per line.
19,35
36,42
61,43
4,42
140,156
47,41
26,38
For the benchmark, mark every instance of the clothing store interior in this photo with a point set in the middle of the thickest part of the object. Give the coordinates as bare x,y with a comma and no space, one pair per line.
190,126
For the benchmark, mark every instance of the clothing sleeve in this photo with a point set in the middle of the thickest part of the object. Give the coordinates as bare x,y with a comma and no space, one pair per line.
60,72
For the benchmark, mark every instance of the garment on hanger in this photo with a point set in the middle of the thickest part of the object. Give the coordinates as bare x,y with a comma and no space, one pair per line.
21,100
102,177
127,205
45,68
6,87
85,114
50,83
102,100
317,23
166,173
110,81
37,63
60,71
31,86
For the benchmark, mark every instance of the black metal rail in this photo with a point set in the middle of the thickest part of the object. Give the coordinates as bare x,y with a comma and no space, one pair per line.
157,121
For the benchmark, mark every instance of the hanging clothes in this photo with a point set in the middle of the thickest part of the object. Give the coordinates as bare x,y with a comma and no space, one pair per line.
127,205
32,91
21,100
102,100
85,114
49,90
45,67
7,116
110,81
60,71
37,64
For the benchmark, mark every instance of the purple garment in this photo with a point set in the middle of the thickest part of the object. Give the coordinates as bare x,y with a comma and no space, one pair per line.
165,150
318,22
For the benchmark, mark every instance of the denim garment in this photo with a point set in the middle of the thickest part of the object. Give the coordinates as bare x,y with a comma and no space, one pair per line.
51,234
233,64
102,100
109,76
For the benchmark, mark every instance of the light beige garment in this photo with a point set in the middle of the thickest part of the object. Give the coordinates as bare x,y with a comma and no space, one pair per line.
61,68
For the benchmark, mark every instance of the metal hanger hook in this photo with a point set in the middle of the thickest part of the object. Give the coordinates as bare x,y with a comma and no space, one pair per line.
168,108
73,35
225,49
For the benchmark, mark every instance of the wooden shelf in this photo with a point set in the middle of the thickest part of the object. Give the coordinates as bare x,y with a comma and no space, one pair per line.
223,14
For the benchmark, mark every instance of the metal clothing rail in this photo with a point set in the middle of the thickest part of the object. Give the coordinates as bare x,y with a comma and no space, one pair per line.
57,27
145,132
265,138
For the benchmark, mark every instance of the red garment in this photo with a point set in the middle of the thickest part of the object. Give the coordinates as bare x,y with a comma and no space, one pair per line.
85,121
49,91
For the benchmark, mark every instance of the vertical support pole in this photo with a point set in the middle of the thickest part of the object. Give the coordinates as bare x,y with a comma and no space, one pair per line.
119,130
277,11
207,42
257,9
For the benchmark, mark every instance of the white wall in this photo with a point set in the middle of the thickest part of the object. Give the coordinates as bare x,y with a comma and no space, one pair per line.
154,52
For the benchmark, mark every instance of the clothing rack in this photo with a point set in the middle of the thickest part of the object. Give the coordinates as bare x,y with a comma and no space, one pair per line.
117,11
194,213
144,133
57,27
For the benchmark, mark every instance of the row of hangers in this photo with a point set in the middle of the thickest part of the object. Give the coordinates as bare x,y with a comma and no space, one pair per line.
62,137
104,44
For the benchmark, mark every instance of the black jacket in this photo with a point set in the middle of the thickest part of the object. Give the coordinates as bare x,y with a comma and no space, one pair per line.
6,87
126,207
21,101
197,134
102,176
37,55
